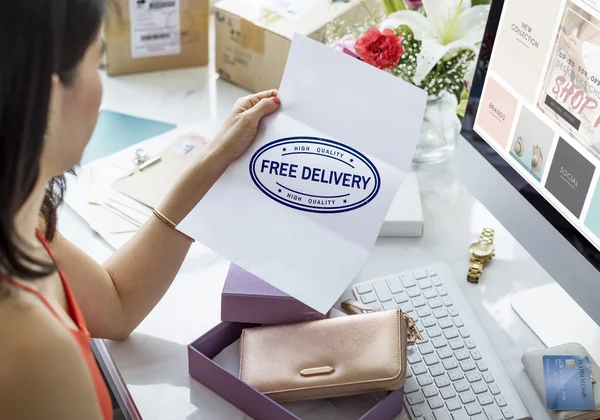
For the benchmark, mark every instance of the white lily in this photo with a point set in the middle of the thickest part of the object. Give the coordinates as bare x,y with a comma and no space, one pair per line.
448,26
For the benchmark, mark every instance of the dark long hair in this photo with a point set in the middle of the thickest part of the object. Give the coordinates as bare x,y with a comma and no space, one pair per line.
38,38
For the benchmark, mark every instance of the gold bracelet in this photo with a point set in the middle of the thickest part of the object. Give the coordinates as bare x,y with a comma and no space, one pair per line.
170,223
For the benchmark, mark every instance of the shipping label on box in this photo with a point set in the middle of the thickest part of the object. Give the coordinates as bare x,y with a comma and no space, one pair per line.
152,35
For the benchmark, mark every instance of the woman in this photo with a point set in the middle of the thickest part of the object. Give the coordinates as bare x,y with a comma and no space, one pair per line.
51,293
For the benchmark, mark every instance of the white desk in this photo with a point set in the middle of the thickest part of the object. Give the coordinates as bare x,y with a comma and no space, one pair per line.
153,361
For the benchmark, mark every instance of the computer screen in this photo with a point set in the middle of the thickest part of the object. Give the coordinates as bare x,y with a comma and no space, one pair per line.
537,113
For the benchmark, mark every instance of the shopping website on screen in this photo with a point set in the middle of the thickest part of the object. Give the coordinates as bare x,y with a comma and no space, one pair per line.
540,106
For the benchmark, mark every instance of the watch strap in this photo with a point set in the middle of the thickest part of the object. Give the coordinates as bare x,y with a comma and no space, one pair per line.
475,270
487,235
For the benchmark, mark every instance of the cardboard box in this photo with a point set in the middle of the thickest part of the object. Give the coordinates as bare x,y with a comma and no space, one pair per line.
247,298
152,35
252,43
405,216
249,400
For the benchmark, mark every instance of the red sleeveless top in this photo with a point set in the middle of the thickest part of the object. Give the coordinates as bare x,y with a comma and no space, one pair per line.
80,335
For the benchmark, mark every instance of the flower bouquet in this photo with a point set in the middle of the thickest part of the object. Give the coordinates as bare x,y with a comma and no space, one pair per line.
432,44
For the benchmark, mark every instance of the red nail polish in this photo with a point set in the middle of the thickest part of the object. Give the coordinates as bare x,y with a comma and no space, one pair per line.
276,100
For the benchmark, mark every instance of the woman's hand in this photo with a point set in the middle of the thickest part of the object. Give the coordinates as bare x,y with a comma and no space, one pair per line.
240,128
572,46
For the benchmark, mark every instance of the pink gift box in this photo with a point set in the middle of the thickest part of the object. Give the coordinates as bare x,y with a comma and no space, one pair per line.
243,396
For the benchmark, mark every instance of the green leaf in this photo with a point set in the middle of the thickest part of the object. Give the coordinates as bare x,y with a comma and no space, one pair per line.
479,2
462,108
391,6
464,95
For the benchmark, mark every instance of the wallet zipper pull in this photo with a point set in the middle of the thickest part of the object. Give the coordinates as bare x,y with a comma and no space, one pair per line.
413,331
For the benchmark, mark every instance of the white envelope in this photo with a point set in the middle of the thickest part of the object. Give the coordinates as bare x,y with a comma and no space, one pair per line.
302,208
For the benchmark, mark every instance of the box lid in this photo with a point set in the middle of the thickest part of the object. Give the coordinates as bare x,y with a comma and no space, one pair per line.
247,298
320,14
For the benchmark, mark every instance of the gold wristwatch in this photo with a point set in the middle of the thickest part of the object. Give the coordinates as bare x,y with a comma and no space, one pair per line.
481,253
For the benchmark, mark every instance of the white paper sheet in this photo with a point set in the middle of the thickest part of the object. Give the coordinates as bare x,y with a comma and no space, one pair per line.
350,130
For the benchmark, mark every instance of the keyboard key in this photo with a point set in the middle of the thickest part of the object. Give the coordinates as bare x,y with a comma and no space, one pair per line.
415,398
424,380
459,415
420,274
473,376
461,386
440,313
470,343
419,369
467,397
441,291
487,377
426,348
419,325
450,363
473,409
485,399
444,352
455,374
414,357
453,404
447,392
442,381
436,370
462,354
479,388
438,342
456,344
431,271
464,333
394,284
368,298
406,307
407,280
424,311
363,288
401,297
494,389
413,292
429,391
430,293
383,293
507,413
441,414
493,413
434,332
445,323
429,416
452,311
435,303
500,401
428,321
450,333
479,417
475,354
418,302
435,402
458,322
418,410
389,305
411,386
424,284
409,373
431,359
482,366
467,365
447,301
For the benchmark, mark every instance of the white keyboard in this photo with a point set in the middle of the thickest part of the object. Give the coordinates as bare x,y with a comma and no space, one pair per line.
454,372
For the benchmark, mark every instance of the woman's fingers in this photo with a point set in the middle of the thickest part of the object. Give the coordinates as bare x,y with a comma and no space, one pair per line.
264,107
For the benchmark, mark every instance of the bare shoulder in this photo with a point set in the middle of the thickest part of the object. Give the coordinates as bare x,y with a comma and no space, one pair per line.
42,371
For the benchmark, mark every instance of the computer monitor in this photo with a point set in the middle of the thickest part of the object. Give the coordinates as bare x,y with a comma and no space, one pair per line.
531,136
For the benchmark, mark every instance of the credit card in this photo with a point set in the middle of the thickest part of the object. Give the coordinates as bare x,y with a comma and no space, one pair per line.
568,383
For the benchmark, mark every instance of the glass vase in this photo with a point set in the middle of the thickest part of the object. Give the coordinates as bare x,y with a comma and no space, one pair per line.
440,130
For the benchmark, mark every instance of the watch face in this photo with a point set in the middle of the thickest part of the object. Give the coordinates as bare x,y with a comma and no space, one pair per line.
482,249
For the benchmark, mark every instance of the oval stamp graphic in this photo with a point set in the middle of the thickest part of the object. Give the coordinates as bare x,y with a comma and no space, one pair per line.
315,174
